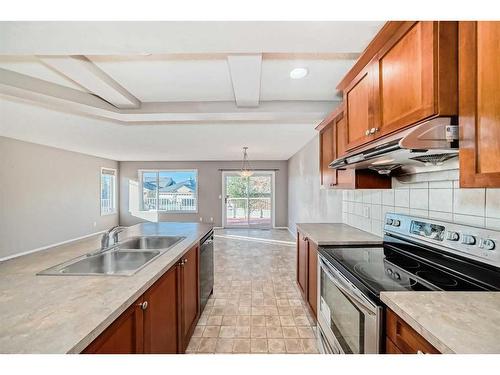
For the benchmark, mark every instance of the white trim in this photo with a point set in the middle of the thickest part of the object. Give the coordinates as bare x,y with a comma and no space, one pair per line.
115,190
51,246
273,199
140,173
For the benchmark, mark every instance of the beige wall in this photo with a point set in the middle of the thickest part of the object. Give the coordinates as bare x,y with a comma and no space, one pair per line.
209,189
47,196
307,202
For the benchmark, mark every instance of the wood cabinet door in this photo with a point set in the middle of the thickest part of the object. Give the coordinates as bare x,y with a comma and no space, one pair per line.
479,103
190,296
407,340
358,97
302,252
327,155
123,336
405,80
161,317
312,278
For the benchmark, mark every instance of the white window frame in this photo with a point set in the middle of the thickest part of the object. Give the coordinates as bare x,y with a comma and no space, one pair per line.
115,210
141,191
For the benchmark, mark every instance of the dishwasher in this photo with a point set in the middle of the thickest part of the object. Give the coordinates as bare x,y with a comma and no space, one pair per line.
206,268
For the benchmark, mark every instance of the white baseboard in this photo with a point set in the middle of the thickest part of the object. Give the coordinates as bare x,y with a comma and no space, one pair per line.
294,235
50,246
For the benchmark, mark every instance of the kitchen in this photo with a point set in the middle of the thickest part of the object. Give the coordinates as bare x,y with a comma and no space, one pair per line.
286,195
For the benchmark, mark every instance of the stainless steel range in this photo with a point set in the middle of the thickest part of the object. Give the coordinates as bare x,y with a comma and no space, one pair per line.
418,254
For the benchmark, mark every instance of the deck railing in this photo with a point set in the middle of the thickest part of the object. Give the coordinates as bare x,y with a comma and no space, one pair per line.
171,202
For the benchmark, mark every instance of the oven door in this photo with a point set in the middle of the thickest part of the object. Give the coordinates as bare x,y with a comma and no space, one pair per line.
349,321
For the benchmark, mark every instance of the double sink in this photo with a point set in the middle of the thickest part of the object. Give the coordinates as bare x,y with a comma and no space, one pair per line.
122,259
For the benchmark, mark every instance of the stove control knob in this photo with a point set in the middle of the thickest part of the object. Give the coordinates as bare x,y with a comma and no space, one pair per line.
468,239
396,275
388,271
452,236
396,223
487,244
389,221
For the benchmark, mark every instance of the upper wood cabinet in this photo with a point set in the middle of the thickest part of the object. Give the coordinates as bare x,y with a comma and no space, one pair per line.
411,76
358,97
417,75
328,176
333,144
479,88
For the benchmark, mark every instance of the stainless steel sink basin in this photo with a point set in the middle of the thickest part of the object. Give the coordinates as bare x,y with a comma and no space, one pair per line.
110,263
122,259
150,242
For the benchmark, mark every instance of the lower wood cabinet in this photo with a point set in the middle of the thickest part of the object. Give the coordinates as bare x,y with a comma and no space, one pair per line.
162,320
307,263
312,277
124,335
402,339
190,305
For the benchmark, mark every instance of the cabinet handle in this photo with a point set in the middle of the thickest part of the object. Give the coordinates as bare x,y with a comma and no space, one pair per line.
420,352
144,305
306,238
184,261
367,132
374,130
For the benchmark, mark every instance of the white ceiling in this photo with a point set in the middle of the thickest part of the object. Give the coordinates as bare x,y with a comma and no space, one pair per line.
151,142
209,87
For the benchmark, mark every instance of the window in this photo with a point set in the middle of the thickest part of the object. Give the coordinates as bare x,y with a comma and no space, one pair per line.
171,191
108,191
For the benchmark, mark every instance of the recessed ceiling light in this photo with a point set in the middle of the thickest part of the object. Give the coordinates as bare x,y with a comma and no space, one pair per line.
298,73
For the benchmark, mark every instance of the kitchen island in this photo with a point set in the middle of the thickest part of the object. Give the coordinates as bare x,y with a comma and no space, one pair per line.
64,314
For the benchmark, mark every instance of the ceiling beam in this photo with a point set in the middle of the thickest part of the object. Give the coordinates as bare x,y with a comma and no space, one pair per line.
84,72
65,99
245,76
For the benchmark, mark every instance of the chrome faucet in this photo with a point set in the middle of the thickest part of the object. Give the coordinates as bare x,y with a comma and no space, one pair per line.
112,232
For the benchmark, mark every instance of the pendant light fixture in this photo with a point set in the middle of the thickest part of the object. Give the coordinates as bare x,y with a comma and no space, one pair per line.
246,170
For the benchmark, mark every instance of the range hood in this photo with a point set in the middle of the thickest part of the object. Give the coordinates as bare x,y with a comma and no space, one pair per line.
428,146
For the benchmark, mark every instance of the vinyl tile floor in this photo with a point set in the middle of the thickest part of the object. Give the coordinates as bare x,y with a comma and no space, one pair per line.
256,306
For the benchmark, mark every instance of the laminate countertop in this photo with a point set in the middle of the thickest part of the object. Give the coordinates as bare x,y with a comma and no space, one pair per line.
336,234
63,314
454,322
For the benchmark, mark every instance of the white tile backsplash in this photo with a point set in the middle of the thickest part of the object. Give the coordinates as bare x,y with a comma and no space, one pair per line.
434,195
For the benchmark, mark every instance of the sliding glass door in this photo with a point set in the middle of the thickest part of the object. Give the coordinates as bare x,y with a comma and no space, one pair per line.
248,200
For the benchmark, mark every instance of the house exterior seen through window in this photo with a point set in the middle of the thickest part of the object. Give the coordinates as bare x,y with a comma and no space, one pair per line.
169,190
108,191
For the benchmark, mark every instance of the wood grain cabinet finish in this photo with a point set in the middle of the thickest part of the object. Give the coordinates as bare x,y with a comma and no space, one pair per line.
123,336
302,266
307,272
412,76
162,320
161,317
312,277
333,144
479,108
402,339
328,176
358,98
190,289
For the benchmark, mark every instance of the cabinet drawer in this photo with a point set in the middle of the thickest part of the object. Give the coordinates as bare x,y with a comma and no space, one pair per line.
406,339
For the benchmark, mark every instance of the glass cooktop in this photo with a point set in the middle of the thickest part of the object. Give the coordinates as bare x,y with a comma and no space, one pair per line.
400,267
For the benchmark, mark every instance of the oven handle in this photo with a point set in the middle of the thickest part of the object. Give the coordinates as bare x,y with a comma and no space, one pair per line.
348,293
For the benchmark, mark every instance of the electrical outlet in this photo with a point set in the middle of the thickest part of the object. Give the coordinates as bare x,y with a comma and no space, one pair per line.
211,219
95,224
366,211
201,219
